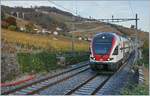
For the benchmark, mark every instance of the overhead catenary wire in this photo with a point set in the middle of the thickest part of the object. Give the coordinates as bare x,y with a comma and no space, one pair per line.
73,25
62,7
130,6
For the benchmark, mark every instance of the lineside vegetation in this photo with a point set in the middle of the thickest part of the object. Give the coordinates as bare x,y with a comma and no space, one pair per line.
45,61
51,43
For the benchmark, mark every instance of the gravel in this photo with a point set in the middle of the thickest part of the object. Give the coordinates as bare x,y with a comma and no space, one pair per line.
40,76
63,87
90,87
118,81
52,80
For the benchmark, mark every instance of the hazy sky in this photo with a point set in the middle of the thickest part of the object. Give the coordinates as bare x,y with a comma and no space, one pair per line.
98,9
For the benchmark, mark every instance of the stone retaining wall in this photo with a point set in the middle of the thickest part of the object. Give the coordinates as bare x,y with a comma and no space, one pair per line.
9,64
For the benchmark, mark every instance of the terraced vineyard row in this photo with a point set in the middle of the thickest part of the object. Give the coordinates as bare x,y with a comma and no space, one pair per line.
46,42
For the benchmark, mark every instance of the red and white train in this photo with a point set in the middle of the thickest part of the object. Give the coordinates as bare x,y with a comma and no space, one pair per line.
109,49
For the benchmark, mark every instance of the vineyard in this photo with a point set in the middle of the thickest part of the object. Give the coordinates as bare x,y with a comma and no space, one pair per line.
46,42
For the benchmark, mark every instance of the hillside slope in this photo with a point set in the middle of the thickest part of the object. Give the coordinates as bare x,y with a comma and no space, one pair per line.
51,17
50,42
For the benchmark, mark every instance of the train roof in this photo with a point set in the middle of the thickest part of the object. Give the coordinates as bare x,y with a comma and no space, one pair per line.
111,33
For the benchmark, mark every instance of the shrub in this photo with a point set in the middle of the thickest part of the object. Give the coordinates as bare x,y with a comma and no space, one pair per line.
145,56
38,62
77,58
12,27
44,61
24,60
146,44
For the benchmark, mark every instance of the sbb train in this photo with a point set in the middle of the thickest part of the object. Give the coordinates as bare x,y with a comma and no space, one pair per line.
109,49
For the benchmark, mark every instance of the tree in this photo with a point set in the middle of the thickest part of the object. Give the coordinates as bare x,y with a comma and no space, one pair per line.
11,21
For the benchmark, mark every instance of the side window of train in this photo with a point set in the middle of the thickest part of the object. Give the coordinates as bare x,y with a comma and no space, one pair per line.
115,51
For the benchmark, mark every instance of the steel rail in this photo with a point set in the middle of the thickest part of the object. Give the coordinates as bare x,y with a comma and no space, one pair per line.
51,84
79,86
41,80
101,85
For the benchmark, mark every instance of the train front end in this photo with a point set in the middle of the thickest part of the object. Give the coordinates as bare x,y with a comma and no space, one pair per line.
103,50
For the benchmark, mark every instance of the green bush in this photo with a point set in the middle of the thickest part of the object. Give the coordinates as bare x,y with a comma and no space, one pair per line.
45,61
77,58
24,60
12,27
145,56
38,62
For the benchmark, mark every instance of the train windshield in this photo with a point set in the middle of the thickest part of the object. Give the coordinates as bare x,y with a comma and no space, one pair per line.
102,44
102,48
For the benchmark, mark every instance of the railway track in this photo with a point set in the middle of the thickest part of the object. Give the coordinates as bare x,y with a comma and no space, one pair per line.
47,81
93,84
90,86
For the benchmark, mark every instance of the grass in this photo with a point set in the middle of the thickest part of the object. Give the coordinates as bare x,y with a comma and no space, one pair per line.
46,42
139,89
136,90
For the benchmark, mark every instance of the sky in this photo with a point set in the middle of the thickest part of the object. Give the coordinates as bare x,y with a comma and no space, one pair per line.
97,9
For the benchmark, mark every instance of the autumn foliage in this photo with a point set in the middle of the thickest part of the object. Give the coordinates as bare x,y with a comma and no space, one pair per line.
9,21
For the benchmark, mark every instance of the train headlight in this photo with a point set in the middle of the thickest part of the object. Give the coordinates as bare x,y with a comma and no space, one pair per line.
93,58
